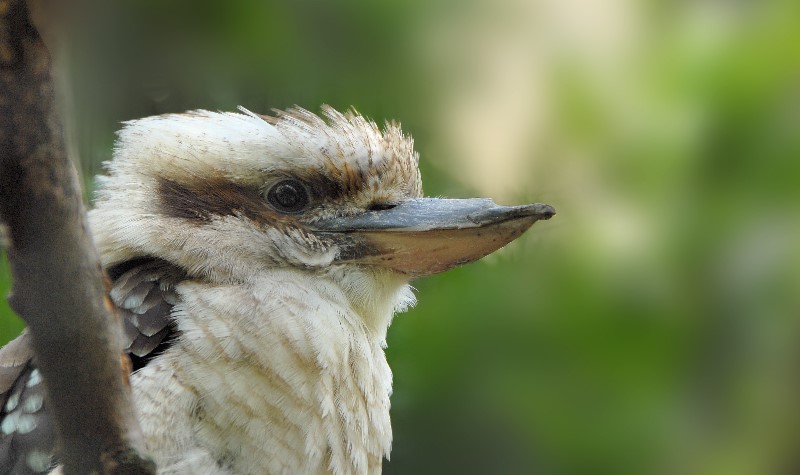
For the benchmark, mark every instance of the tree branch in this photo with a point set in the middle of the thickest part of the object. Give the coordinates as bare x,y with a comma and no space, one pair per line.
58,284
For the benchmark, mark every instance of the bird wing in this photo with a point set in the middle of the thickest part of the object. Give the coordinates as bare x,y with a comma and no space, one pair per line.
143,291
25,428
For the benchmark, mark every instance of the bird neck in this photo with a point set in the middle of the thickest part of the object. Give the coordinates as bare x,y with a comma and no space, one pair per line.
310,348
374,294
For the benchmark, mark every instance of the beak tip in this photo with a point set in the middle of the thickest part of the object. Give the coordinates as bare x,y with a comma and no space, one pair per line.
532,212
542,211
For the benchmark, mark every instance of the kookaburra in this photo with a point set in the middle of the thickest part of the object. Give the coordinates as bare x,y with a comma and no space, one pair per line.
257,262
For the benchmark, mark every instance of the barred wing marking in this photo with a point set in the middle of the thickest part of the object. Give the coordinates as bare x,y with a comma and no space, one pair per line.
144,293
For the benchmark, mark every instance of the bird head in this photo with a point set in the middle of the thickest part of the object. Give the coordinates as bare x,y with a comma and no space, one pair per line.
227,196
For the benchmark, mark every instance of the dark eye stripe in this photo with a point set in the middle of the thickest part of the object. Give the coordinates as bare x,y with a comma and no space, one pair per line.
201,200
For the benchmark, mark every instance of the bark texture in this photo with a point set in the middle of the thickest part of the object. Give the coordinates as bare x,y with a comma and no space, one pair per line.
59,288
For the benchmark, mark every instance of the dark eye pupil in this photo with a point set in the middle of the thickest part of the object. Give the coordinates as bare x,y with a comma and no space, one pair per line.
288,196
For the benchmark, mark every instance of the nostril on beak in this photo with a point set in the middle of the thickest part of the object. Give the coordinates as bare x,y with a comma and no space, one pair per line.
381,206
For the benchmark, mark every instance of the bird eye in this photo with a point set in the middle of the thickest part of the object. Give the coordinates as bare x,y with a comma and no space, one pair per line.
288,196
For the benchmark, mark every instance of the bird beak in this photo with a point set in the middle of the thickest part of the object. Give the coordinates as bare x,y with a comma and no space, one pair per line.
425,236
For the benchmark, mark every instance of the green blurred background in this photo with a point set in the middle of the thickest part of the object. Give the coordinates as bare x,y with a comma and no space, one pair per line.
651,327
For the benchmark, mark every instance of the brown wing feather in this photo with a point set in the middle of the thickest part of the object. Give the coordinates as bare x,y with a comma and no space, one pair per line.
144,293
13,358
27,439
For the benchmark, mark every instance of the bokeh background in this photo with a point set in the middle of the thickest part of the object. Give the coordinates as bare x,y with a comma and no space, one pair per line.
653,325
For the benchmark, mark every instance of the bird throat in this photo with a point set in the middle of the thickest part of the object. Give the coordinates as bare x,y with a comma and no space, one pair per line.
293,380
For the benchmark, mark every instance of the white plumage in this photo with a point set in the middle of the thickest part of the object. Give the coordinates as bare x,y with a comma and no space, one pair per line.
258,262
